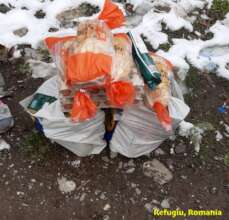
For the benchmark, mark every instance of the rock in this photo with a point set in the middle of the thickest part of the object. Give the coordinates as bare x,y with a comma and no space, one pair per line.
105,159
106,217
154,201
183,177
149,207
120,165
113,154
75,163
133,201
205,126
170,164
138,191
159,152
40,14
213,190
21,31
106,207
30,53
82,197
53,29
102,196
67,17
130,170
165,204
4,8
156,170
131,163
66,186
180,148
19,193
3,52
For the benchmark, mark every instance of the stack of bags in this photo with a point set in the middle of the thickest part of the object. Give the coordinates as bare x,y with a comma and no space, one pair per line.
101,70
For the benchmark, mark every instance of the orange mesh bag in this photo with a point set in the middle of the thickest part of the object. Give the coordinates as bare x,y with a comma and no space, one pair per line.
83,107
87,60
120,93
120,90
158,98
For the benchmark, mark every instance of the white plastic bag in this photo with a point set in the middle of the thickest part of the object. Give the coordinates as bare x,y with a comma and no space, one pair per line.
139,132
6,119
83,139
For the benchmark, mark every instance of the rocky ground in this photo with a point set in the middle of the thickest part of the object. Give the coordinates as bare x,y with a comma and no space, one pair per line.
41,180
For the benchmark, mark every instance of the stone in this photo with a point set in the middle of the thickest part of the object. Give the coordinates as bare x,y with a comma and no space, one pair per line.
149,207
106,207
102,196
158,171
120,165
40,14
180,148
105,159
21,31
113,154
138,191
53,29
106,217
165,204
66,186
131,163
170,164
213,190
82,197
4,8
3,52
159,152
67,17
130,170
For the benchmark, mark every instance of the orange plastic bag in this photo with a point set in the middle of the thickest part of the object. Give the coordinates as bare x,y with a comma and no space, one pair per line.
163,115
112,15
83,107
52,41
120,93
84,67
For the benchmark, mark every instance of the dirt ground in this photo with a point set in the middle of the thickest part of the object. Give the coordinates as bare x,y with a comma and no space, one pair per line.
28,177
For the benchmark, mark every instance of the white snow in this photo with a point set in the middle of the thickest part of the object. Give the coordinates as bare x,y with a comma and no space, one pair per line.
38,28
184,50
149,20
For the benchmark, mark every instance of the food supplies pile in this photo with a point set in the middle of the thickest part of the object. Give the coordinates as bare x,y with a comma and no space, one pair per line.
109,88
